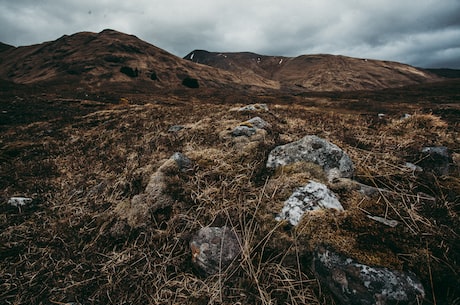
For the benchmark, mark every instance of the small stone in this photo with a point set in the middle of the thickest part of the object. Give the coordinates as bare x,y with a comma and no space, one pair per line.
388,222
357,284
175,128
311,197
243,131
19,201
214,248
412,167
405,116
182,161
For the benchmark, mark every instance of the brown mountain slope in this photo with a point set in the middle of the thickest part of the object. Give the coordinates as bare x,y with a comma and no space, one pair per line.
111,57
5,47
317,72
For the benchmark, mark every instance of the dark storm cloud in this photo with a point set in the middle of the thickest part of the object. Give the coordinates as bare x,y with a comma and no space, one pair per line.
422,33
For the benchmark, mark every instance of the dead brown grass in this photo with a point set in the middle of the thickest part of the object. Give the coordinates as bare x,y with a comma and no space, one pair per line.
72,245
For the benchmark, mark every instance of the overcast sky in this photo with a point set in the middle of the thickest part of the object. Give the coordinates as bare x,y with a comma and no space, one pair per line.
423,33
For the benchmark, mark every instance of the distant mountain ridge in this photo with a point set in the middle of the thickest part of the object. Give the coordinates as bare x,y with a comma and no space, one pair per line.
320,72
119,60
444,72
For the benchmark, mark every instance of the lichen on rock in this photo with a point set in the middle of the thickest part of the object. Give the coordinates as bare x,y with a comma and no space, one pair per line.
354,283
334,161
311,197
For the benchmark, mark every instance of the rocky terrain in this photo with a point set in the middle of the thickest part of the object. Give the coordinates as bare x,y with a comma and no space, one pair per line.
132,190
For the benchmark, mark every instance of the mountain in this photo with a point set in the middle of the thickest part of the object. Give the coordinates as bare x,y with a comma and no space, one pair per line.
317,72
120,62
112,58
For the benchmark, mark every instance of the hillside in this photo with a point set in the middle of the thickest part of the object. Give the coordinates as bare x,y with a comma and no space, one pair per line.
317,72
111,58
5,47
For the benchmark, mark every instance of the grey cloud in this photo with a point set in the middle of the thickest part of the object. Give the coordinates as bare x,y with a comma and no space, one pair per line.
422,33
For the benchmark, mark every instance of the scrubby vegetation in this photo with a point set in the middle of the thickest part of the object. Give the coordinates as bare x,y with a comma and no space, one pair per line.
72,244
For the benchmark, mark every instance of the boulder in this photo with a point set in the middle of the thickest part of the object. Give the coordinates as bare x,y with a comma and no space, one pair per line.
214,248
334,161
358,284
311,197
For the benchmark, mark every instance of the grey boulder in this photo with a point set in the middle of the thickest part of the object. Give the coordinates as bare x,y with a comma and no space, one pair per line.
359,284
311,197
214,248
334,161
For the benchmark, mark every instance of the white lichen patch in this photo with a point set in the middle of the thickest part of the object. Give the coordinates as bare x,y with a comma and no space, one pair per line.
311,197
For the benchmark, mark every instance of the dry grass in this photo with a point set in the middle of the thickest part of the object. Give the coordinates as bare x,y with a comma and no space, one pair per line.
72,245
